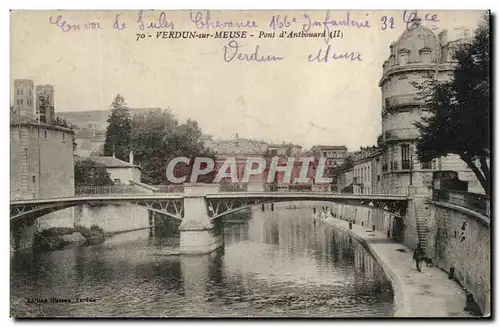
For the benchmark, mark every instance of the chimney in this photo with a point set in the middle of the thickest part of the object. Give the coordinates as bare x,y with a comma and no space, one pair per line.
131,157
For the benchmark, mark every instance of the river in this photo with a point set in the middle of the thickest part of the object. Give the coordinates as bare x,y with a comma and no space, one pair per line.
276,264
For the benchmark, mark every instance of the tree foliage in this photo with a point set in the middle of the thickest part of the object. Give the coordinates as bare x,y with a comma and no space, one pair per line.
89,173
459,120
346,165
157,138
119,131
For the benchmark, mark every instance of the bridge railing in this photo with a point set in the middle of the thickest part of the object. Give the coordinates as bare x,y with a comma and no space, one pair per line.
233,187
473,201
108,190
169,188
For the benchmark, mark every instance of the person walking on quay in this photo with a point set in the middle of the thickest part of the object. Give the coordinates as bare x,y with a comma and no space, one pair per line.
418,256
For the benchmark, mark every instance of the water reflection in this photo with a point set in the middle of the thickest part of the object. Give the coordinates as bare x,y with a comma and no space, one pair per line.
275,264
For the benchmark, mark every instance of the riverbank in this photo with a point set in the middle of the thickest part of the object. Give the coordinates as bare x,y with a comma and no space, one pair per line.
416,294
58,237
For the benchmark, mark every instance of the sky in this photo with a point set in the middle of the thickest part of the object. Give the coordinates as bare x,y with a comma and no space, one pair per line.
287,100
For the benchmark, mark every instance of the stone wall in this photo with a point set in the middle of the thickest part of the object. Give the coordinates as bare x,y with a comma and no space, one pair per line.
382,220
112,218
460,238
41,166
21,237
41,162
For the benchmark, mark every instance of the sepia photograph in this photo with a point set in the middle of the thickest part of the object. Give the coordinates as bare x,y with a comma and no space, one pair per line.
250,164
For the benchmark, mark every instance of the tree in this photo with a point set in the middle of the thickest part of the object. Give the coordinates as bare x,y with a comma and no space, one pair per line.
346,165
90,173
157,138
58,121
119,131
459,119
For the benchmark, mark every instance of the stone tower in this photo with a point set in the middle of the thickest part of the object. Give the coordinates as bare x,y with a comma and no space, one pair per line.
418,55
44,113
24,97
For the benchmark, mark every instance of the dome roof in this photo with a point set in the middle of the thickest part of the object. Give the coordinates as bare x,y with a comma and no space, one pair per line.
416,39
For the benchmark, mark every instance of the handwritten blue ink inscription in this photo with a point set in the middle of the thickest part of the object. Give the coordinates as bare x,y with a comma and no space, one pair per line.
160,22
202,20
409,16
117,25
63,25
329,54
233,51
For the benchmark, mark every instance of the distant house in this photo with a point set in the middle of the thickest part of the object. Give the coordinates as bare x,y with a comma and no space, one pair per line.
285,149
121,172
89,141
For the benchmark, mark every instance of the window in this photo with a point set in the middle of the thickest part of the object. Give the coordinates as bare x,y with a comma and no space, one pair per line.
64,137
45,134
21,101
324,154
426,165
34,179
405,156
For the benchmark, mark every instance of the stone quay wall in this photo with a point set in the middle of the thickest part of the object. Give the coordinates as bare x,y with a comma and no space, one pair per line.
459,238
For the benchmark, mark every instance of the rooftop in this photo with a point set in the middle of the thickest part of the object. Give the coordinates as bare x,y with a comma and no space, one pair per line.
283,145
239,146
332,147
108,162
16,120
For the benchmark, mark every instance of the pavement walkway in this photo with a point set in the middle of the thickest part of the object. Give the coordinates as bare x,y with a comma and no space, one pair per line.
416,294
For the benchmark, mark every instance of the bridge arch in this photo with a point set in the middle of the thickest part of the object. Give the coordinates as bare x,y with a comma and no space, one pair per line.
213,207
32,210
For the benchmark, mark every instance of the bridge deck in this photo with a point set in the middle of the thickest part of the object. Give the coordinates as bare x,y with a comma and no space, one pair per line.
104,197
221,195
305,195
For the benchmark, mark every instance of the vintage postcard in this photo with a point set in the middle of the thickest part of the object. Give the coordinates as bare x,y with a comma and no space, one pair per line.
207,163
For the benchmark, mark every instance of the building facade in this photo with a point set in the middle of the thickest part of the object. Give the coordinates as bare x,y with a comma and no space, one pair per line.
363,176
41,160
335,154
89,141
376,172
41,166
418,55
